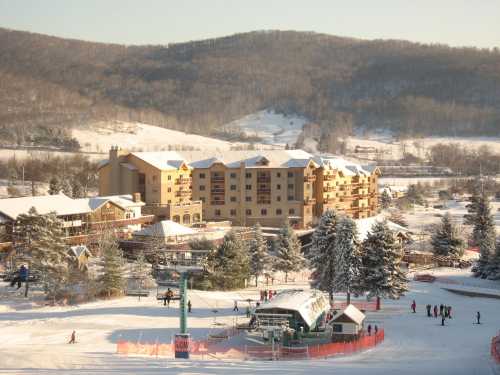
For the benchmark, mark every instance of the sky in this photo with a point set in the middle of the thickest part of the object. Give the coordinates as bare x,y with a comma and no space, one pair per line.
454,22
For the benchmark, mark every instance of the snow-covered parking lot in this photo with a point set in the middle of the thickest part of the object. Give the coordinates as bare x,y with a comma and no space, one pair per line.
34,339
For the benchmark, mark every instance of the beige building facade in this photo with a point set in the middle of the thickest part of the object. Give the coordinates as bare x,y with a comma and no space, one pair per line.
268,187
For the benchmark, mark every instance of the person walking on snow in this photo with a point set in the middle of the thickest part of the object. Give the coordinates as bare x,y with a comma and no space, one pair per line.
414,306
428,307
441,309
478,317
189,306
435,311
449,312
235,308
442,319
369,329
376,330
72,340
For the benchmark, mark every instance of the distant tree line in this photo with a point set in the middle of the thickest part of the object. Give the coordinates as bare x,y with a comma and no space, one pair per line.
338,83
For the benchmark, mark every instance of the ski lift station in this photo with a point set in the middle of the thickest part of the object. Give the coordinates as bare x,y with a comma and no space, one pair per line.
295,308
347,324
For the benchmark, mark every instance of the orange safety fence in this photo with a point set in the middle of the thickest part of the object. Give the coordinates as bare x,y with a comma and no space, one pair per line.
495,348
205,347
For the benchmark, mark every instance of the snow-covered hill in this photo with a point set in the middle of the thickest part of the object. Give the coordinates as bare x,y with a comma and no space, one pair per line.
273,128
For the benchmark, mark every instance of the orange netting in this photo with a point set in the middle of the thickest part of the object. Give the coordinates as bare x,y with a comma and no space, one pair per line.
495,348
206,347
361,305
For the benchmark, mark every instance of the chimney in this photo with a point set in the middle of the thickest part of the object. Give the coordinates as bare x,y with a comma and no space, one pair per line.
136,197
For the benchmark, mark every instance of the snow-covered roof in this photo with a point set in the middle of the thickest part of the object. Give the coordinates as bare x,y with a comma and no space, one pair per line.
163,160
78,250
310,304
165,228
348,168
124,201
352,313
365,225
61,204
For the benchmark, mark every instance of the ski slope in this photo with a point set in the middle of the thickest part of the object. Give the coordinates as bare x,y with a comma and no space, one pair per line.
34,339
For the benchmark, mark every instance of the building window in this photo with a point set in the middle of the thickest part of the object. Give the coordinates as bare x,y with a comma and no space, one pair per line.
290,186
248,212
337,328
263,212
248,199
169,190
278,211
278,187
232,212
278,198
290,197
202,187
168,177
248,187
278,174
248,175
232,199
233,187
232,175
217,212
290,174
291,211
202,175
202,199
169,201
154,178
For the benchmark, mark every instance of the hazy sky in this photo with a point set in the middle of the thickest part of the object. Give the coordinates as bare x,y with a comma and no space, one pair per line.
455,22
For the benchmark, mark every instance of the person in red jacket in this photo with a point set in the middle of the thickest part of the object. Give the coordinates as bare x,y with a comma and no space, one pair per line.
414,306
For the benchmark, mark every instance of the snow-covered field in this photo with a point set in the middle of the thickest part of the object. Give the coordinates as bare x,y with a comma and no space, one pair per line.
273,128
34,339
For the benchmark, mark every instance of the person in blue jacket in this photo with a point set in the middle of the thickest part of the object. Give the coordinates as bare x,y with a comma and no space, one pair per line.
22,276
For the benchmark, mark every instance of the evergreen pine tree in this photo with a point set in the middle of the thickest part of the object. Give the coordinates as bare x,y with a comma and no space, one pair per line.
259,257
483,235
112,278
65,187
76,189
43,237
446,240
380,270
288,256
472,207
54,186
347,275
141,272
494,264
385,200
229,264
322,253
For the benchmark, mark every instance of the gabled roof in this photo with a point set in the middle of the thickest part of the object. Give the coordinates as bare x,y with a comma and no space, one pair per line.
345,167
352,313
61,204
310,304
163,160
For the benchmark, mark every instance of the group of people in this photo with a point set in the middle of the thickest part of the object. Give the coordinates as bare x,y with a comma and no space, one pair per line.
267,295
444,312
369,329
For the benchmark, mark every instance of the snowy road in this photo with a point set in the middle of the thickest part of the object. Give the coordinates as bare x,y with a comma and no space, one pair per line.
33,341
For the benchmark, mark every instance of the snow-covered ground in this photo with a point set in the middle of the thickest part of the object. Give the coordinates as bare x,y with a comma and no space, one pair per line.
34,339
273,128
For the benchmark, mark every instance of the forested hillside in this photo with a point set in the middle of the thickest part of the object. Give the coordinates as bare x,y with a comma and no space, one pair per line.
49,84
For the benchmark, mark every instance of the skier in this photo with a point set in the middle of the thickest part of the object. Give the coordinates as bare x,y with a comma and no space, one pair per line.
414,306
72,340
189,306
22,276
235,308
449,312
369,329
428,307
442,319
435,311
168,297
376,330
478,317
441,310
445,311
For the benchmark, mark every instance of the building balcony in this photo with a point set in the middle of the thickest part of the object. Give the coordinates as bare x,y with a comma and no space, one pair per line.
263,201
218,191
217,179
329,177
266,190
263,179
310,178
145,219
217,203
309,201
184,181
183,193
329,189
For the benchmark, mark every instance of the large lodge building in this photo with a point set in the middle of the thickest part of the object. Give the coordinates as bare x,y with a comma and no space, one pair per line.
244,187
